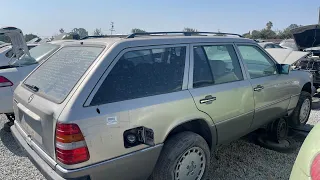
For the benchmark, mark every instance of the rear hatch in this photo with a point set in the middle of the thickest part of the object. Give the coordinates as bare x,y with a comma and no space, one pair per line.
40,99
307,36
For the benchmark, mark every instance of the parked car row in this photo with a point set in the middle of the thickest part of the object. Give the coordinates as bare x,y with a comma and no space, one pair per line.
94,108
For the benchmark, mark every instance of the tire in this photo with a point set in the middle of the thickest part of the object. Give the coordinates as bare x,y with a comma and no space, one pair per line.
279,129
289,146
173,159
294,119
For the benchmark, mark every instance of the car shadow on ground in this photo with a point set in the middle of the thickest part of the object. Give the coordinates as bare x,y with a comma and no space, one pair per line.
9,141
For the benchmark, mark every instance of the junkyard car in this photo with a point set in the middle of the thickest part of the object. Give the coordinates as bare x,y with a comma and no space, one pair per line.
307,164
269,45
7,55
151,106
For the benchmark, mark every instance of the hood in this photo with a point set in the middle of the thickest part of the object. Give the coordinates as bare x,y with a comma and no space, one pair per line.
307,36
18,43
286,56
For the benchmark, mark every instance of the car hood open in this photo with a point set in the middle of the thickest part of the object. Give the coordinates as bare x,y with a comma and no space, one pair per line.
286,56
307,36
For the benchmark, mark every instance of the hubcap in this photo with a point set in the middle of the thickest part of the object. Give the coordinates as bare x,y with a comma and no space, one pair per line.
304,111
191,165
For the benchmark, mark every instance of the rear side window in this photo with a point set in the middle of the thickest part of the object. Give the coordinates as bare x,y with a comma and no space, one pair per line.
143,73
56,77
215,64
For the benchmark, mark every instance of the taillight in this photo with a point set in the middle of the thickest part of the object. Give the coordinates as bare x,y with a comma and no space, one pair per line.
4,82
71,147
315,168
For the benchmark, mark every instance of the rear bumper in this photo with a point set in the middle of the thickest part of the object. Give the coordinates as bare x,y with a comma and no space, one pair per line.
136,165
6,100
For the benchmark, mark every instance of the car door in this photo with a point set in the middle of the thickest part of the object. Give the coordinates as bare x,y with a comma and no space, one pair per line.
271,89
220,89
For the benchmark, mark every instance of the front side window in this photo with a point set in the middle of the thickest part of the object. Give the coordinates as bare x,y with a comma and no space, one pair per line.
257,62
143,73
215,64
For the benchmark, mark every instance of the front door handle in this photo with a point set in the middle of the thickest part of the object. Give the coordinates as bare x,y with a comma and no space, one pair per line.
258,88
207,100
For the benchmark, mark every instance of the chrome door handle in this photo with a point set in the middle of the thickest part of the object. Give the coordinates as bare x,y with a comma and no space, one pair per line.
207,100
258,88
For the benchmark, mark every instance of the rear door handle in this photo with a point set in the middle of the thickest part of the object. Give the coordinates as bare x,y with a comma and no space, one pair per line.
207,100
258,88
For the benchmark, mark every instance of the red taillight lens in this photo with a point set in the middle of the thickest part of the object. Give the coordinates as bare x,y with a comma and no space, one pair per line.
315,168
4,82
71,147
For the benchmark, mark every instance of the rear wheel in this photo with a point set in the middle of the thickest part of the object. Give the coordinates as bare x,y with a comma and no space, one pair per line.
302,111
185,156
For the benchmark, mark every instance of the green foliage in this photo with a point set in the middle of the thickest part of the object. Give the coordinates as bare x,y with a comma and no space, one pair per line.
81,31
28,37
97,32
137,30
268,33
186,29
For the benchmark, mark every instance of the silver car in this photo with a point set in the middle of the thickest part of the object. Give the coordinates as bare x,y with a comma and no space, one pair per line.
150,106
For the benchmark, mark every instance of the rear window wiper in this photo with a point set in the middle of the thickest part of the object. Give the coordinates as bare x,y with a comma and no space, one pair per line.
32,87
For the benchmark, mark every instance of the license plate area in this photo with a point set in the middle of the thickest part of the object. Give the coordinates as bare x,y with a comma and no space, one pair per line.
31,127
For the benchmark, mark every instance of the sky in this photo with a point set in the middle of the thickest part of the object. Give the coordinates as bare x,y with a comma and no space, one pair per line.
45,18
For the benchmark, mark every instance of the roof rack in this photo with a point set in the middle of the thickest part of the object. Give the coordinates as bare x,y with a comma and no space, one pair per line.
102,36
181,32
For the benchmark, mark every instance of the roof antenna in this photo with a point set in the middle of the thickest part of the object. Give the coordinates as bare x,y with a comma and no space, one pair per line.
319,17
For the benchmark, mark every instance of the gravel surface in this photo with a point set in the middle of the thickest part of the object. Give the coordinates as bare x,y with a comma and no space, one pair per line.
237,160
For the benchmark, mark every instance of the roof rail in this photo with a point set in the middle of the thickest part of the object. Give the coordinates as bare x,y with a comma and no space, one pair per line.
181,32
103,36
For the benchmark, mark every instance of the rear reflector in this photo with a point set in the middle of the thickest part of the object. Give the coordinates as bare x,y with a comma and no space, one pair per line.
71,147
315,168
4,82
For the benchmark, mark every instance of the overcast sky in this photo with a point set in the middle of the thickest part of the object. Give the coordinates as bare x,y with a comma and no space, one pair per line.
45,18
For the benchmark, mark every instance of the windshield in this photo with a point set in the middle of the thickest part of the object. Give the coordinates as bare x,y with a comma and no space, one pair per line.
289,44
37,53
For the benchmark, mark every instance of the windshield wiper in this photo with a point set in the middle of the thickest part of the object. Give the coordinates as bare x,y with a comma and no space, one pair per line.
32,87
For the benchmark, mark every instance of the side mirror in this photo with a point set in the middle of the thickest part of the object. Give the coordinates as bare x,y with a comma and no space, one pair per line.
283,68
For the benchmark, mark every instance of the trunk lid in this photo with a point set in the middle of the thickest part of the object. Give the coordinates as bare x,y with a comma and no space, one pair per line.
40,99
307,36
19,45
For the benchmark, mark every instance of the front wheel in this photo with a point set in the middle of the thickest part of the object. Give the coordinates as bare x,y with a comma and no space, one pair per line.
185,156
302,111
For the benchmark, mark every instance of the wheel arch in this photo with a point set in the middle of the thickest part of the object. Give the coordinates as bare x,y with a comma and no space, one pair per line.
198,126
307,87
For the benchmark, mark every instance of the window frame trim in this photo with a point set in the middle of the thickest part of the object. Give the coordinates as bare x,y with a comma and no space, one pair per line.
243,70
261,49
115,60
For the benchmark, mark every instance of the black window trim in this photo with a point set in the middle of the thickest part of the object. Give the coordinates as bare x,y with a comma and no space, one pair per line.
263,51
242,66
110,66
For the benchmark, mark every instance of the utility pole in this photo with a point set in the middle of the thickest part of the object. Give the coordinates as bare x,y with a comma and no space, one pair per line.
112,28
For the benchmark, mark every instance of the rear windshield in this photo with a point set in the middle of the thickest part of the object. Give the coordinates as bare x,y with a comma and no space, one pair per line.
56,77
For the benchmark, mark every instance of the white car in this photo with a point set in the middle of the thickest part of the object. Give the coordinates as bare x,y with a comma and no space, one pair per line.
14,71
269,45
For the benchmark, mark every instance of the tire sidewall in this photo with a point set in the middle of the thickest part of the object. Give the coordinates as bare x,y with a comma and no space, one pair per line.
295,117
172,151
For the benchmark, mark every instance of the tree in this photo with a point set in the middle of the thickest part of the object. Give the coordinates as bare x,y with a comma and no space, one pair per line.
137,30
97,32
292,26
28,37
269,25
186,29
61,30
255,34
247,35
81,31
